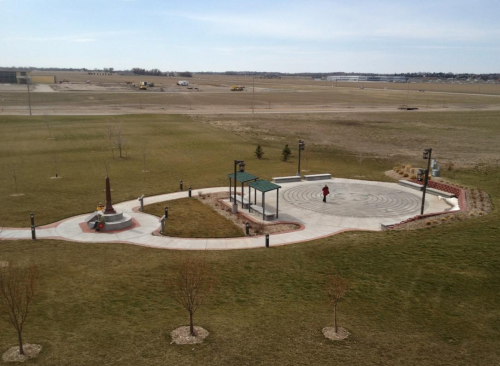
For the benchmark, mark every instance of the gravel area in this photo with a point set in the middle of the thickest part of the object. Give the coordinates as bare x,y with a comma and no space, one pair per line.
329,332
181,335
13,355
214,200
4,264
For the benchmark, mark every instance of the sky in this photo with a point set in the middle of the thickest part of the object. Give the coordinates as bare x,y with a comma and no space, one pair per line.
379,36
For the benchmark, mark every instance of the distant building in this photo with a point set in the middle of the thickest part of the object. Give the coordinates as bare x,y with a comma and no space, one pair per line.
22,77
358,78
14,76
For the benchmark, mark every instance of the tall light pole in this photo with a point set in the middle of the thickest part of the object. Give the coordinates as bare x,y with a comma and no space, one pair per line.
423,174
241,163
302,145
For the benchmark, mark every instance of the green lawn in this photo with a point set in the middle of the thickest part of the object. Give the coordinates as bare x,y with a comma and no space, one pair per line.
177,147
425,297
190,218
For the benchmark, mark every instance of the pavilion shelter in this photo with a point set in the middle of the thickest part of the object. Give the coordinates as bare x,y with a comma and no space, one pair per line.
242,177
264,186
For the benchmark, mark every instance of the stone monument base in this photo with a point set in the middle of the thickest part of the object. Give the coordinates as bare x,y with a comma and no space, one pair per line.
115,221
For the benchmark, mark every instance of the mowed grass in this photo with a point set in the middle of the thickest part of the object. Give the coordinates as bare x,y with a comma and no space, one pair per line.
177,148
190,218
428,297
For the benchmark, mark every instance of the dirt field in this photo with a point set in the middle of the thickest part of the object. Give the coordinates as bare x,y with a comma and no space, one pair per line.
285,83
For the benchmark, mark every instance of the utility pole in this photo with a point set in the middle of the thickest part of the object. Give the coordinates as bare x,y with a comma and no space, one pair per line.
253,94
29,96
407,93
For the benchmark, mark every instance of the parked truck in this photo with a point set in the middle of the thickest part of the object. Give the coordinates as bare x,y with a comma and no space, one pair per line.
143,85
237,88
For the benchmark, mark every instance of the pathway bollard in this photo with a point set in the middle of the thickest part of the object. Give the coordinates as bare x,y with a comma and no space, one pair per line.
181,185
247,229
33,228
166,212
267,240
189,192
162,221
141,200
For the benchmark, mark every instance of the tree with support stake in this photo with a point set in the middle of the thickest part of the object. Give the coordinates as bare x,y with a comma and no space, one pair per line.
336,288
17,291
191,287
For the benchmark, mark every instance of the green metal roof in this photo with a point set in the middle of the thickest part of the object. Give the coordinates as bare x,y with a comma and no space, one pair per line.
243,177
263,186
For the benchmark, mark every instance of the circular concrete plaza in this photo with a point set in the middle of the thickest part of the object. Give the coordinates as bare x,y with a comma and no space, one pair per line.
354,200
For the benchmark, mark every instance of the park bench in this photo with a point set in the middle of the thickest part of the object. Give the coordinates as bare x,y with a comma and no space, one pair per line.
434,191
269,214
318,176
245,201
293,178
91,219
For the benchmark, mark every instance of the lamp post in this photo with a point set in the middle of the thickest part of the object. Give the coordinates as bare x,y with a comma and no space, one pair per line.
423,174
302,145
241,164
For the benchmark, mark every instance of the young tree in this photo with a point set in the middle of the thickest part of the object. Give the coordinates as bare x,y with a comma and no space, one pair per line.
13,170
17,290
192,286
144,155
336,288
259,152
48,124
110,133
285,154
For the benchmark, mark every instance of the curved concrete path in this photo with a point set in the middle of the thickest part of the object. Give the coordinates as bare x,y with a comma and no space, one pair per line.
352,205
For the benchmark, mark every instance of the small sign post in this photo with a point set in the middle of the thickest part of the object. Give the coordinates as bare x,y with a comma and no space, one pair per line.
141,200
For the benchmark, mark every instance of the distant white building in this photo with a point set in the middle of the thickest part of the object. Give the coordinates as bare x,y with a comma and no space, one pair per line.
358,78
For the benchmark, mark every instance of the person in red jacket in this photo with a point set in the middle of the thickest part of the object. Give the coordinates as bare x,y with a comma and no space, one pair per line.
326,192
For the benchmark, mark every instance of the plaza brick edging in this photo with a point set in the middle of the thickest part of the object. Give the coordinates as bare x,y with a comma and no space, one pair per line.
458,192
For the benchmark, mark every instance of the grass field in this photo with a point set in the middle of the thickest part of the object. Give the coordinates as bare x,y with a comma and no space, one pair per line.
177,147
190,218
426,297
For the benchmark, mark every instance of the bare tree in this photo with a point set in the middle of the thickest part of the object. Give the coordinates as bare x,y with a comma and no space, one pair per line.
55,159
17,290
144,155
119,139
192,286
48,125
110,132
13,170
336,288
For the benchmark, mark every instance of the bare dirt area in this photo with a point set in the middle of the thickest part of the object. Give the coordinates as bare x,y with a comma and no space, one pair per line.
256,228
13,355
182,335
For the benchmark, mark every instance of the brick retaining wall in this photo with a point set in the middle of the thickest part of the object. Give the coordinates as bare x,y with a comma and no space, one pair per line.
458,192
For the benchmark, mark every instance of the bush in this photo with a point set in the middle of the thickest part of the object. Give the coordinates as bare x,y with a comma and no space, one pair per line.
285,154
259,152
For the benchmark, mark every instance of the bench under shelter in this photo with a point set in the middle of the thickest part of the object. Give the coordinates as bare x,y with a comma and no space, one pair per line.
241,177
263,186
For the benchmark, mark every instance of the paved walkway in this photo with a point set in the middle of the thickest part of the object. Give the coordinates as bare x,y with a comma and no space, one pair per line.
352,205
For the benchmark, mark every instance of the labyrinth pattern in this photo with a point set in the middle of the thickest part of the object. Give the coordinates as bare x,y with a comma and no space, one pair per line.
354,200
